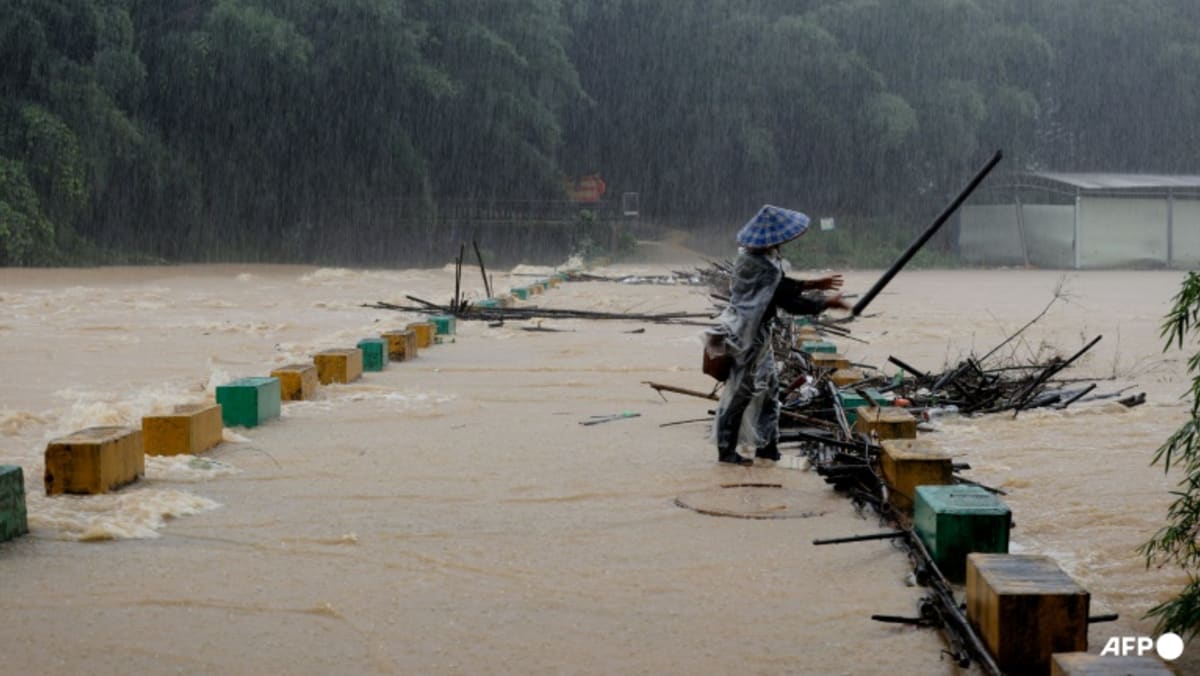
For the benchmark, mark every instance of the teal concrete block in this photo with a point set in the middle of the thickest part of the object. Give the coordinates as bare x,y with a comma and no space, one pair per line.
12,503
520,293
375,353
444,324
956,520
248,402
801,321
819,346
488,303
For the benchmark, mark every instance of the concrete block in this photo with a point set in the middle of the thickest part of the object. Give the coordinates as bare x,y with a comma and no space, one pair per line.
402,344
443,325
813,346
852,401
297,382
908,463
13,520
831,361
425,332
844,377
520,292
885,422
339,366
1084,664
374,353
806,333
249,402
1025,609
954,521
191,429
94,460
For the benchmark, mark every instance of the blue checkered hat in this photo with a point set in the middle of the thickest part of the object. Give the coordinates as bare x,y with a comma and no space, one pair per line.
772,226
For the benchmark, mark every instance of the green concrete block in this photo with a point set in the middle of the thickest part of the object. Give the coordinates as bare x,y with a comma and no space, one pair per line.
818,346
444,324
801,321
12,503
488,303
248,402
375,353
954,521
520,293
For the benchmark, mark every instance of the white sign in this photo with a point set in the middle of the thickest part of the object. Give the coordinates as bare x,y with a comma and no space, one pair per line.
826,224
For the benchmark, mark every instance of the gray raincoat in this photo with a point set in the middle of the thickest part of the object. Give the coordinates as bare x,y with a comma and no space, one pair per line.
748,412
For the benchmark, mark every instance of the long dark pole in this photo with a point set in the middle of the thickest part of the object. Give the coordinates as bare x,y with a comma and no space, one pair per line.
929,232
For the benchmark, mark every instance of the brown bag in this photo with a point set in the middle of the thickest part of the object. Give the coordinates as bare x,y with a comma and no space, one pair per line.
718,361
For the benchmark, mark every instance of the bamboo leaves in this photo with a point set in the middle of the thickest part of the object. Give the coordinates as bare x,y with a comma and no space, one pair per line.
1177,542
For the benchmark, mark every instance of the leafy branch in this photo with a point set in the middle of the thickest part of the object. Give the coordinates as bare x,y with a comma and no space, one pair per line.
1176,543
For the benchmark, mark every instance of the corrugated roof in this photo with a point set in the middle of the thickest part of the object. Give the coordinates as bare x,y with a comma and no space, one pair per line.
1119,181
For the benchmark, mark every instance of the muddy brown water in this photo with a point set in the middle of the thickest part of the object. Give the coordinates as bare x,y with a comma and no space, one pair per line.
451,515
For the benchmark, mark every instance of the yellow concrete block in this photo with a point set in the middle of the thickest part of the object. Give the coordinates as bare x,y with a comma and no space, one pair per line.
425,332
94,460
402,344
885,422
807,333
829,360
1025,609
190,429
908,463
297,382
1084,664
535,289
844,377
339,366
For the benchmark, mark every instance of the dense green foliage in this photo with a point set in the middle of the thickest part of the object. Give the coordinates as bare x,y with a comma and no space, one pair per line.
1176,543
348,129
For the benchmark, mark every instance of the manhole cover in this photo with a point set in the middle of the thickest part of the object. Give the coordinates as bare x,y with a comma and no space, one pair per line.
752,501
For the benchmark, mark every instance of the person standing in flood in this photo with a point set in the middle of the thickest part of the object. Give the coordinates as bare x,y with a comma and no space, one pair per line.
748,412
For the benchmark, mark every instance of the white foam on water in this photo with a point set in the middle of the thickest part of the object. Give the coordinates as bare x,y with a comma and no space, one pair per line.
13,423
228,436
216,376
327,276
130,514
89,408
186,468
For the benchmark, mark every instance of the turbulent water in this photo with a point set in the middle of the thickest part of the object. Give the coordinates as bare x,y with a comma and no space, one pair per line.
451,515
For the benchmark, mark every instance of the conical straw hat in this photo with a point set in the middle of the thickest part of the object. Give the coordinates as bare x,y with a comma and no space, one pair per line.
772,226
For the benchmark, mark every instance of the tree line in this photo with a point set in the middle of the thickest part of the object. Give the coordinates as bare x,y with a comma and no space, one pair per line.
320,130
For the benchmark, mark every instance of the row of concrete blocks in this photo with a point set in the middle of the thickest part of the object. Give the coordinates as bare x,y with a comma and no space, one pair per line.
1031,615
538,287
101,459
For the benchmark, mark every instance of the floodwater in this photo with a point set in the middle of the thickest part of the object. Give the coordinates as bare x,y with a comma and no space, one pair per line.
451,515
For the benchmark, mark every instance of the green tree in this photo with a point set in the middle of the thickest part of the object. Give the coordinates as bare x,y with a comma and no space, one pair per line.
1179,541
26,235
